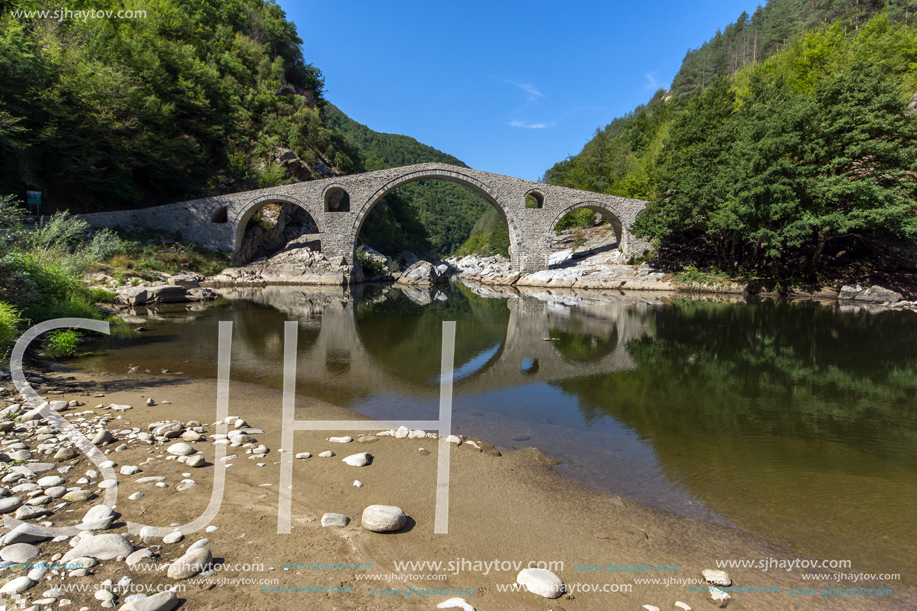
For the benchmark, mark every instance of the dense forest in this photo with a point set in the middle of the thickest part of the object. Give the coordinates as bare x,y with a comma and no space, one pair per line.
194,99
191,99
781,162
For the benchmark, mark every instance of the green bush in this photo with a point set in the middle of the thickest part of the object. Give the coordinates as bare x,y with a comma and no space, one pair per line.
9,322
61,343
371,266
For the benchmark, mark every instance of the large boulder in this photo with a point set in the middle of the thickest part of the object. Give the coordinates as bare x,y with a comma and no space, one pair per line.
133,296
184,280
877,294
167,293
423,273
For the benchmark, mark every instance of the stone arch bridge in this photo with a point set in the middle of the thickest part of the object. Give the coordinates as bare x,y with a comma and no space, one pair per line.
339,207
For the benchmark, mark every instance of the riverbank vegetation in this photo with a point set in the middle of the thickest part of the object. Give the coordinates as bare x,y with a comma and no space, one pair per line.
42,269
799,165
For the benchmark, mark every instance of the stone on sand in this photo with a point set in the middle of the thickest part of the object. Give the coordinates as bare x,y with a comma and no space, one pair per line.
542,582
383,518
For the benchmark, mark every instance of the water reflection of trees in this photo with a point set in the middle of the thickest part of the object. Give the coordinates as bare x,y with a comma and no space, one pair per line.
794,370
406,338
582,344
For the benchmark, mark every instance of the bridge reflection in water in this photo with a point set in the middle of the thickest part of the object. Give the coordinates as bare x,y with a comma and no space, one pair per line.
381,345
756,412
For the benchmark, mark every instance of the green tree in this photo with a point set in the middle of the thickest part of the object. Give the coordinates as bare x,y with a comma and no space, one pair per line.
695,170
864,154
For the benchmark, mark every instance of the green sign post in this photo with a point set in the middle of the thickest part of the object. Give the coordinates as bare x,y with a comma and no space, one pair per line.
33,199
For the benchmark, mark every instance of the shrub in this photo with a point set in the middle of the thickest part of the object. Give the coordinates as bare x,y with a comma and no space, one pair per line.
370,263
104,244
61,343
9,321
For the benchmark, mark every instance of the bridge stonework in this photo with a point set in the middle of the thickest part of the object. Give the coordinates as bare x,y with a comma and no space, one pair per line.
219,222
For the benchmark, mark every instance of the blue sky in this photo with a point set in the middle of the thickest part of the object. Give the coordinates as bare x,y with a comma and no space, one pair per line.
507,87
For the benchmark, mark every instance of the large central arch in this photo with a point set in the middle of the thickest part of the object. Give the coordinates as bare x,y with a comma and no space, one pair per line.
459,178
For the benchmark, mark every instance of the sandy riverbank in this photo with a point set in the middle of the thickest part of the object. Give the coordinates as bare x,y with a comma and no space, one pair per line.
508,508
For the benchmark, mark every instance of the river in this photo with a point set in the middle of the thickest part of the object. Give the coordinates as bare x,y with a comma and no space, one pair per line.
795,421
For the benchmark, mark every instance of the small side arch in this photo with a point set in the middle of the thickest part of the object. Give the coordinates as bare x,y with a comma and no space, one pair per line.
335,198
220,215
242,217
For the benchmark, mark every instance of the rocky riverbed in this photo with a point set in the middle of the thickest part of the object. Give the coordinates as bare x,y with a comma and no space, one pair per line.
361,503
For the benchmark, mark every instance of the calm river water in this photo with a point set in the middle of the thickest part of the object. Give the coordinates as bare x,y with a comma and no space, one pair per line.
794,421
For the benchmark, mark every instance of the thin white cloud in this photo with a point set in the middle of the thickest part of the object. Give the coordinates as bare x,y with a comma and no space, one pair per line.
525,125
528,88
652,83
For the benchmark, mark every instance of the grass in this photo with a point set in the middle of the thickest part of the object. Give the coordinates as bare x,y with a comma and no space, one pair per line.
139,261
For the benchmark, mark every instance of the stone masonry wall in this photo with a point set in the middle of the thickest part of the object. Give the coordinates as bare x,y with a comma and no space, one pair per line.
530,229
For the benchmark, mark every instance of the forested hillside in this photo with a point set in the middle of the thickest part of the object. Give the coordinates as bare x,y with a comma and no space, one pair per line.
753,38
192,99
780,167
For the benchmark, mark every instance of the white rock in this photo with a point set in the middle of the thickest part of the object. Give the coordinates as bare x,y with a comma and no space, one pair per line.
335,519
102,547
108,483
358,460
104,595
326,454
682,605
195,461
99,517
193,562
418,434
129,470
719,597
180,449
136,496
357,483
17,585
164,601
303,455
51,481
454,439
651,608
340,439
383,518
402,432
542,582
717,577
461,603
173,538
